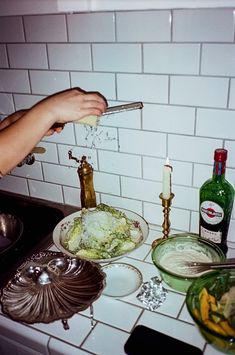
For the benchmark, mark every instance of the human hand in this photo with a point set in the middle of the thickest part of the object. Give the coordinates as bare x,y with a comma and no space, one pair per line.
52,130
72,105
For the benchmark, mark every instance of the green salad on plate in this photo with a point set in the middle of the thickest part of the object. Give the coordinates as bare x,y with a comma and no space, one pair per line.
102,233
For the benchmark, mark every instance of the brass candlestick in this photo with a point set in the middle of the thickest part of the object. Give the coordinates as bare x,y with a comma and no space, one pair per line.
166,203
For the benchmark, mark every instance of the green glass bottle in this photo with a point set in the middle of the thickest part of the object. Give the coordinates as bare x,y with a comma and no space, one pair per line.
216,203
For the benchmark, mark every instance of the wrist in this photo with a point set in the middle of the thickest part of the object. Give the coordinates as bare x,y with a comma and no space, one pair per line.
43,114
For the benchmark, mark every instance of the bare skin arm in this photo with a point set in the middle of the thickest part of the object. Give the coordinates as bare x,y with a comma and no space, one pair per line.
11,119
18,114
19,135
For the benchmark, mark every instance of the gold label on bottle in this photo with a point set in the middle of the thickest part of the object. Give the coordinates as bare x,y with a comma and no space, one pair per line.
211,212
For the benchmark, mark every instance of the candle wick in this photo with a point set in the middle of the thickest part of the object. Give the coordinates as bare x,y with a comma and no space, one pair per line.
169,166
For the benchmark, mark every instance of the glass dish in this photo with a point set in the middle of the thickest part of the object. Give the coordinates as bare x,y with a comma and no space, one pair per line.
217,283
184,243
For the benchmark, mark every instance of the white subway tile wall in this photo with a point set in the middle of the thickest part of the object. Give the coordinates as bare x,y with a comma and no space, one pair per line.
15,184
68,136
169,118
179,63
94,27
215,123
14,81
48,82
25,101
107,183
3,56
121,164
127,119
200,25
91,81
69,56
192,149
63,150
232,95
46,29
103,138
158,58
59,174
142,142
180,219
132,62
33,171
199,91
72,196
143,87
143,26
50,155
230,145
218,59
27,56
6,103
46,191
11,29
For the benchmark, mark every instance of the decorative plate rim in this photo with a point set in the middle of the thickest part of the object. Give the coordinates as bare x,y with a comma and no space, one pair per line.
136,276
56,235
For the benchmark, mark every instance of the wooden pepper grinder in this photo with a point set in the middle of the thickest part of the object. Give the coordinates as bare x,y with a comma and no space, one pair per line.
85,173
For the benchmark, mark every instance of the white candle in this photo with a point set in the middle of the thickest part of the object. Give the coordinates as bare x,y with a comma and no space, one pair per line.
166,182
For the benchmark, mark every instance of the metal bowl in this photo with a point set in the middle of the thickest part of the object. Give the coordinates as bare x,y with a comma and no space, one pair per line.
51,285
11,229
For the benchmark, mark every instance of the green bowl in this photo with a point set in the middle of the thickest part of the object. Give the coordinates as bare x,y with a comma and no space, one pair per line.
217,283
184,243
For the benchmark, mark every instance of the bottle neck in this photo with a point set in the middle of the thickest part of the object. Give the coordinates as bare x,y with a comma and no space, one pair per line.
219,170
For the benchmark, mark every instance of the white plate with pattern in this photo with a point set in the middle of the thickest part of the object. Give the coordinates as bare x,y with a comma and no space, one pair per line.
121,279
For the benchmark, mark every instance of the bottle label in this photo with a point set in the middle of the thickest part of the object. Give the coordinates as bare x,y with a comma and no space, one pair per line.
211,212
215,237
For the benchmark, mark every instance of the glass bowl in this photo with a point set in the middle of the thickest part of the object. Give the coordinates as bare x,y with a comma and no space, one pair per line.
203,300
170,254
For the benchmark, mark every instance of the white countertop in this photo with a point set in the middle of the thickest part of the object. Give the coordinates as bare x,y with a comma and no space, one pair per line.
114,319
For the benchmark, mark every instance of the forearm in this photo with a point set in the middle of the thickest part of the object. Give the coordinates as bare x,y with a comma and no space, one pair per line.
11,119
19,138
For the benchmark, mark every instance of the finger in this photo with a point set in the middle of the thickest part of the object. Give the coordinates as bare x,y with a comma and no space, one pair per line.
86,113
81,91
58,129
49,132
96,105
95,97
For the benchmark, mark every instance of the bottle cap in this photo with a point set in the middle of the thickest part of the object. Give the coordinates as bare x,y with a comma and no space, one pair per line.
220,155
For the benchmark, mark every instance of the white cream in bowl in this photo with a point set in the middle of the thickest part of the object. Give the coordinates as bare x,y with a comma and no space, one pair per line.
175,261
